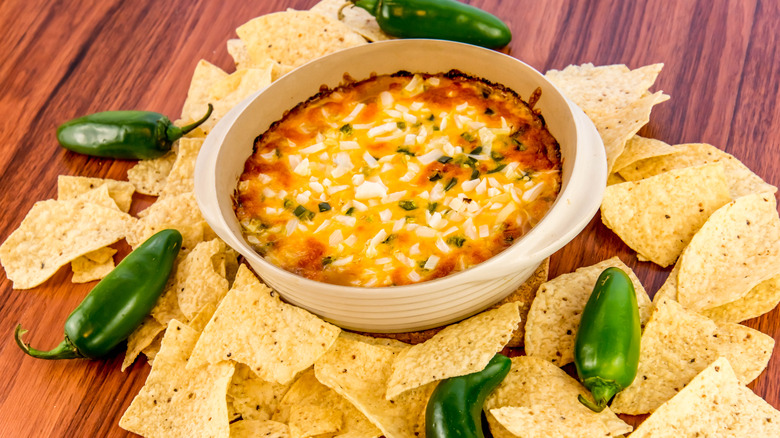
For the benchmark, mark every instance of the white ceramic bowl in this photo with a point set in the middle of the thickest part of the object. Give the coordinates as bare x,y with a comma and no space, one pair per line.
432,303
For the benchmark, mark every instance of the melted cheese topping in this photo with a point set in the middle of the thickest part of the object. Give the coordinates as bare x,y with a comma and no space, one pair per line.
397,180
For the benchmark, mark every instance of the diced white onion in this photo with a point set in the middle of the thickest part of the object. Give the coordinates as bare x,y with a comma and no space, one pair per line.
431,262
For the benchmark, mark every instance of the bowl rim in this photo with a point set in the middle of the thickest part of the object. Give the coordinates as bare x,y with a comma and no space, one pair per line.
582,124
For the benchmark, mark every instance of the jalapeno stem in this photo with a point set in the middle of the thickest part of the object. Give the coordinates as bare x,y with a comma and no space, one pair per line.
173,132
602,392
66,350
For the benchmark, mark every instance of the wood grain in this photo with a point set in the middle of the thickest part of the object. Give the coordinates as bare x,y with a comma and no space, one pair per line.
66,59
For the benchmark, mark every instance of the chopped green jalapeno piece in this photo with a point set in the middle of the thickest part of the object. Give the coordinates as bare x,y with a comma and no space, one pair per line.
498,168
346,129
444,160
350,211
468,136
450,184
390,238
475,174
303,213
477,150
324,206
432,206
327,260
287,203
519,145
400,125
496,156
489,111
407,205
456,241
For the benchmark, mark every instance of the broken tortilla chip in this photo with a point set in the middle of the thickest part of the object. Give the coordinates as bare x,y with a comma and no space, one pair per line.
56,232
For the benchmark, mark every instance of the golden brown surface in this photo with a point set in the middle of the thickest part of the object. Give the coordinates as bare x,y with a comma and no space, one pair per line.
722,71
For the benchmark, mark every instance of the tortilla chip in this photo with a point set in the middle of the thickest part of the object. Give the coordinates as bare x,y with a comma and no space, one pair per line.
749,229
256,428
149,176
311,409
238,51
614,178
142,337
231,90
359,372
181,178
604,89
176,211
197,282
742,181
444,356
658,216
640,148
761,299
254,398
555,314
357,19
69,187
713,404
677,344
55,232
616,128
254,327
205,75
295,37
540,399
176,401
200,319
86,270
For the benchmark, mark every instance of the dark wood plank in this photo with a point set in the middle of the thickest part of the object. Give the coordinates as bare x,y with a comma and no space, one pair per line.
721,69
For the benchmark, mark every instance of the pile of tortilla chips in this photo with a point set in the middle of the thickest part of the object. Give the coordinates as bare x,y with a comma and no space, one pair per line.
231,359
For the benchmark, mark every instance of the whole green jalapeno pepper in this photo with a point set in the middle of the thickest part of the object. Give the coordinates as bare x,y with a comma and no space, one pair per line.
123,134
606,349
438,19
117,305
455,406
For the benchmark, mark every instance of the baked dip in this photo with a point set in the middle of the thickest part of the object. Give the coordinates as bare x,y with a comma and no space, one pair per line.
398,179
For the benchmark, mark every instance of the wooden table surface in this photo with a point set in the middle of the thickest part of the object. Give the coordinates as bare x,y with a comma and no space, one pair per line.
66,59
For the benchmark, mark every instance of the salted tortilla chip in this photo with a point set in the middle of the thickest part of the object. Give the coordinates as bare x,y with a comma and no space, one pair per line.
677,344
614,178
69,187
443,355
254,327
238,51
641,148
658,216
85,269
197,282
254,398
556,311
202,317
540,399
713,404
181,178
359,372
180,212
141,338
149,176
604,89
616,128
295,37
180,402
55,232
742,181
761,299
205,75
749,229
313,409
357,19
256,428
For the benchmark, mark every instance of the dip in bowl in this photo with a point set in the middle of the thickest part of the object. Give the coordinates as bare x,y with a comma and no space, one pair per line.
501,249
